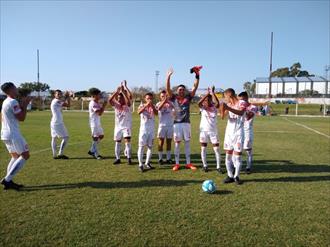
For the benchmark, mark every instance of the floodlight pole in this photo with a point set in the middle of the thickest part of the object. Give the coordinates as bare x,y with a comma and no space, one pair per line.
38,75
156,81
270,66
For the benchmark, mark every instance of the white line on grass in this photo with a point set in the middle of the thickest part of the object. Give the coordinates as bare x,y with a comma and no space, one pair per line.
306,127
48,149
274,131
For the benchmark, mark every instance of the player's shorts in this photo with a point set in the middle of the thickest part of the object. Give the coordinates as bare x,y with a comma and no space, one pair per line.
208,136
97,131
182,131
233,142
17,145
58,130
121,133
146,138
165,132
248,140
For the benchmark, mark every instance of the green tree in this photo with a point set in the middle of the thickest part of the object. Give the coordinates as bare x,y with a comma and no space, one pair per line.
293,71
249,87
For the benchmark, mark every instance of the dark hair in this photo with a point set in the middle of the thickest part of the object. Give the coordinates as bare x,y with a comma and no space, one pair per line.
94,91
230,90
163,91
181,85
58,91
243,94
7,86
148,94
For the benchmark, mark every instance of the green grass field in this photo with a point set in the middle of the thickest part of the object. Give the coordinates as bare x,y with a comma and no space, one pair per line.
85,202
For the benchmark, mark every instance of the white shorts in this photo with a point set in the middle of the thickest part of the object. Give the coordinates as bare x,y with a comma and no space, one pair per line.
121,133
165,132
248,140
233,142
182,131
208,136
17,145
58,130
97,131
146,138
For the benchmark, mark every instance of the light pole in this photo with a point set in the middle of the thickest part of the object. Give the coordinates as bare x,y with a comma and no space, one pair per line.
156,80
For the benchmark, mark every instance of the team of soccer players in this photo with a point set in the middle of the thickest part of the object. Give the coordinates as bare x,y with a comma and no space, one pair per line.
173,110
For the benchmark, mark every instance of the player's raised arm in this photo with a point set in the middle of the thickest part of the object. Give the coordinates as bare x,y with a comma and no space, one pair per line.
215,98
129,93
162,103
168,82
112,99
20,116
200,102
235,111
195,70
127,99
142,108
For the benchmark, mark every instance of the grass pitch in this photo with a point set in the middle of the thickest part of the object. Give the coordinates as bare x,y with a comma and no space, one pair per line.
85,202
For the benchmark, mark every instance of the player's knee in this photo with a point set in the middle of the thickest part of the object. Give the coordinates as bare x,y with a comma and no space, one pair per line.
101,137
203,144
127,139
237,153
25,155
229,151
14,155
119,141
216,145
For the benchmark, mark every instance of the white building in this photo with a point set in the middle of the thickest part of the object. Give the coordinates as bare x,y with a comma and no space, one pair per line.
282,86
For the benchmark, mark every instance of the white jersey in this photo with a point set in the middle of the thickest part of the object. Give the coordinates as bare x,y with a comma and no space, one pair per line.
166,117
94,117
9,123
209,119
147,117
123,116
251,111
56,108
235,122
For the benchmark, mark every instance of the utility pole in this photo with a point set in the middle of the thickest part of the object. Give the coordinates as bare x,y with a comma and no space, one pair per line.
38,75
270,66
156,81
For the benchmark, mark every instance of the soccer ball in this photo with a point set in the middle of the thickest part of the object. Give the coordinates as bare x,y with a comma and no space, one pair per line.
209,187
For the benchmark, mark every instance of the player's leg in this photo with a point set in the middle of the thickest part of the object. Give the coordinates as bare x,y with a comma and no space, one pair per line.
214,138
203,142
237,157
63,133
229,167
142,144
161,141
248,141
53,141
150,141
187,136
128,148
178,135
168,150
117,138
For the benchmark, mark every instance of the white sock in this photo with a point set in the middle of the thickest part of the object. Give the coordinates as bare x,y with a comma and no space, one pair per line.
187,151
168,154
177,153
10,164
249,159
15,167
117,150
238,164
63,144
203,155
149,153
140,156
128,148
217,156
53,145
160,155
229,165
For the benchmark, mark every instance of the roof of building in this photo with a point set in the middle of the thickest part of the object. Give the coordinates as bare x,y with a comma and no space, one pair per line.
291,79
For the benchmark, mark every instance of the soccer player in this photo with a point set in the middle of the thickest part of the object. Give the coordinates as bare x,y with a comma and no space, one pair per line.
121,102
95,112
209,105
181,128
57,127
233,143
12,113
165,129
147,112
248,130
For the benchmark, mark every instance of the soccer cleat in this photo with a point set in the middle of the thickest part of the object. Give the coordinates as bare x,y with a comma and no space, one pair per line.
161,162
170,162
228,180
237,181
149,166
10,185
99,157
220,171
117,162
176,167
191,166
141,169
18,185
129,161
248,171
62,157
205,169
91,153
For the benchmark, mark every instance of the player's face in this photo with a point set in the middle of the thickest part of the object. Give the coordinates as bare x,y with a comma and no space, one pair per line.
97,97
13,92
227,96
180,91
162,96
58,95
148,99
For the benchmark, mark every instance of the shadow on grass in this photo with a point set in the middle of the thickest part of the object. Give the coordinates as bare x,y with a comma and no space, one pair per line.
222,192
115,185
290,179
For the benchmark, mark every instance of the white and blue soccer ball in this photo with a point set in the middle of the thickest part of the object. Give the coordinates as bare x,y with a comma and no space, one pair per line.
209,187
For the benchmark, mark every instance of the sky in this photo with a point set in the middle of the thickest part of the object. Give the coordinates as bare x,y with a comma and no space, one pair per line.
87,44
